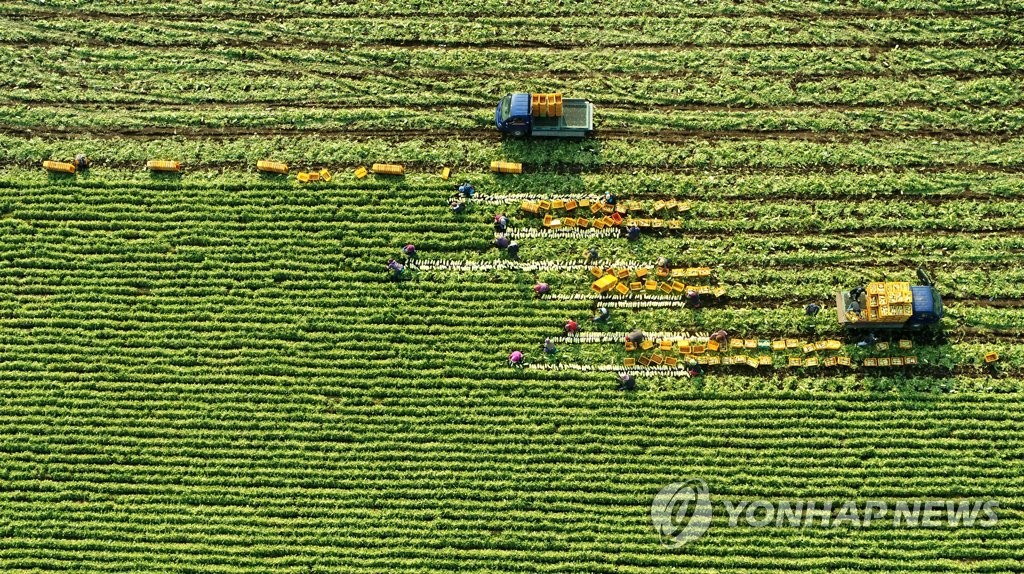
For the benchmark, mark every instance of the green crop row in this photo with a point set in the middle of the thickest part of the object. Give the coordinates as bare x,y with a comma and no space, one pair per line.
278,9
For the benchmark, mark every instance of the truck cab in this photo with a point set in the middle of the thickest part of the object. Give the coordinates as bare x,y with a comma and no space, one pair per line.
516,116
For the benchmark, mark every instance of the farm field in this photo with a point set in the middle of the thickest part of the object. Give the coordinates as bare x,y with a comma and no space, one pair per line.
210,371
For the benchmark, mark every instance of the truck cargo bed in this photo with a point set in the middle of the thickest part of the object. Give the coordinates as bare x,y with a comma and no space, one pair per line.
576,114
576,119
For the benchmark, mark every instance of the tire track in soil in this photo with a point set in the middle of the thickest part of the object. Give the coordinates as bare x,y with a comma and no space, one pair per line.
488,106
796,77
491,134
425,167
517,44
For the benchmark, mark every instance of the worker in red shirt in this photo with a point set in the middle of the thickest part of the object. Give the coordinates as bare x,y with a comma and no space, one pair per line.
571,327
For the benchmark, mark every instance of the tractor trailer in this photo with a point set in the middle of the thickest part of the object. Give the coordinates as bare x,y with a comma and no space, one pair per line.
544,115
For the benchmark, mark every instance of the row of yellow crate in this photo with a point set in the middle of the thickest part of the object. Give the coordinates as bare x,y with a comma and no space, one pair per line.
595,207
546,105
767,361
599,222
643,272
609,283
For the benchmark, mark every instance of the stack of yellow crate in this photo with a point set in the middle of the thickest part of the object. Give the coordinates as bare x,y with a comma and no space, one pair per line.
889,302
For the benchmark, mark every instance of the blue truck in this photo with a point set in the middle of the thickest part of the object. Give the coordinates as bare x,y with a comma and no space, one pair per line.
544,115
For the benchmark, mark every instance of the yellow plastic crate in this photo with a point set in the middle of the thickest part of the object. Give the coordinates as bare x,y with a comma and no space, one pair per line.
59,166
505,167
651,285
159,165
621,289
604,283
267,166
361,172
388,169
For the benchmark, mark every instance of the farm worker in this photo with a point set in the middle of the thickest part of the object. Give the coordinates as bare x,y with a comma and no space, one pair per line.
856,292
396,269
692,299
467,190
694,368
609,198
541,289
502,242
853,307
549,346
515,359
500,222
662,262
410,252
636,337
81,161
457,206
720,336
602,315
592,255
868,341
633,233
626,382
812,309
571,327
513,250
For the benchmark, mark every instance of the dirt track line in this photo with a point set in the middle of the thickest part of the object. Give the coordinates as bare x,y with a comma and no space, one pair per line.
488,105
570,170
490,134
517,44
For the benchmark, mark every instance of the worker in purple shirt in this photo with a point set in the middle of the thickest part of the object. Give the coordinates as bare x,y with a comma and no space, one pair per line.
541,289
397,269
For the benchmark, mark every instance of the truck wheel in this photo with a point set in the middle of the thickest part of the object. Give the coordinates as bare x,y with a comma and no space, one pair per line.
518,133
